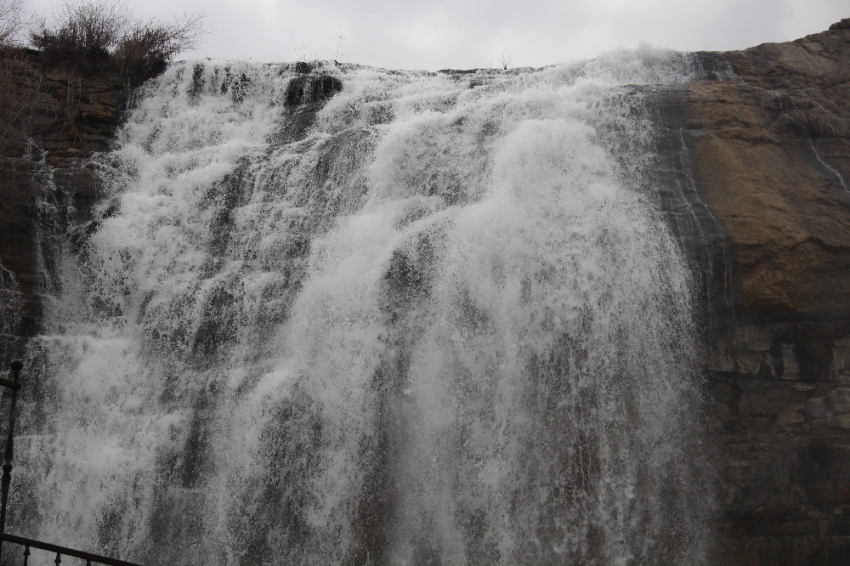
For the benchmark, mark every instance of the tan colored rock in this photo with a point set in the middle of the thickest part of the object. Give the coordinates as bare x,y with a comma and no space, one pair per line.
841,354
778,193
839,400
771,159
791,368
94,113
842,422
817,408
790,418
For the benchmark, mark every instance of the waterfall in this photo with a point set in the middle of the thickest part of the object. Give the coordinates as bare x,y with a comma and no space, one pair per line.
361,316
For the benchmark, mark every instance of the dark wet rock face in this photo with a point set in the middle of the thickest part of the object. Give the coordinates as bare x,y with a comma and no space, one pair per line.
53,120
762,160
311,90
305,96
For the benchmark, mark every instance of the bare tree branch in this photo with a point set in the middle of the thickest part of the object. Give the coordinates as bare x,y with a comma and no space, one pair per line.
154,43
11,20
100,30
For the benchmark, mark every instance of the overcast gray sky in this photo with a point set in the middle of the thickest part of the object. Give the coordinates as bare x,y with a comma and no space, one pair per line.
437,34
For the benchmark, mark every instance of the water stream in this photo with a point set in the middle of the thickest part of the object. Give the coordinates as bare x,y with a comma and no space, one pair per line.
431,319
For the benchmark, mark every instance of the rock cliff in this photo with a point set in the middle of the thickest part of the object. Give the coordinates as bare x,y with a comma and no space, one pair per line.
768,153
754,164
52,119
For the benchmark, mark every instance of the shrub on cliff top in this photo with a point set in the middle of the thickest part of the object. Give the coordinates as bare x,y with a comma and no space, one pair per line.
80,31
146,47
97,33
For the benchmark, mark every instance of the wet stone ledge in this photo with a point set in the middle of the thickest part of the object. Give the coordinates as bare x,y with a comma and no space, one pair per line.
54,119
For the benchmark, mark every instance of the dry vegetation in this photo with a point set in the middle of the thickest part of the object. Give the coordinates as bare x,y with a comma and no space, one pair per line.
146,47
100,34
14,104
11,21
79,38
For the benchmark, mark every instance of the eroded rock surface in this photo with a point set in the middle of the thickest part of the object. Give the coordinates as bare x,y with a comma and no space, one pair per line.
53,120
769,152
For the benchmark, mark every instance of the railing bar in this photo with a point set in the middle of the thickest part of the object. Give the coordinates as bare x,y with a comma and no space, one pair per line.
23,541
10,384
26,554
58,559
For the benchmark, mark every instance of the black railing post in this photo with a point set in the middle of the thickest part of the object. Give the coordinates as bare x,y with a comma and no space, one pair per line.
16,367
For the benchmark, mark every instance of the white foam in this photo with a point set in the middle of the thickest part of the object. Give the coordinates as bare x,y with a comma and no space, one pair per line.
448,285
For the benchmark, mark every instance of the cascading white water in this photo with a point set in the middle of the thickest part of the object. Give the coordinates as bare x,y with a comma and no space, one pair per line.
443,325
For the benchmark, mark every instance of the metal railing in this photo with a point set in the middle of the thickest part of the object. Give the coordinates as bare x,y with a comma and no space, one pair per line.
14,385
61,551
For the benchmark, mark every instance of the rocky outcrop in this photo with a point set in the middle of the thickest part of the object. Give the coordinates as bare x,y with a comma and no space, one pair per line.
53,119
305,96
754,170
768,152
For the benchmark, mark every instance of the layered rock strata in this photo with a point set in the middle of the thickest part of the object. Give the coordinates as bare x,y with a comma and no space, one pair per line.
53,119
768,151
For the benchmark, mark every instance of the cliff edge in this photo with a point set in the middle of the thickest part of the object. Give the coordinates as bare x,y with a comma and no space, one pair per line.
769,152
52,119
